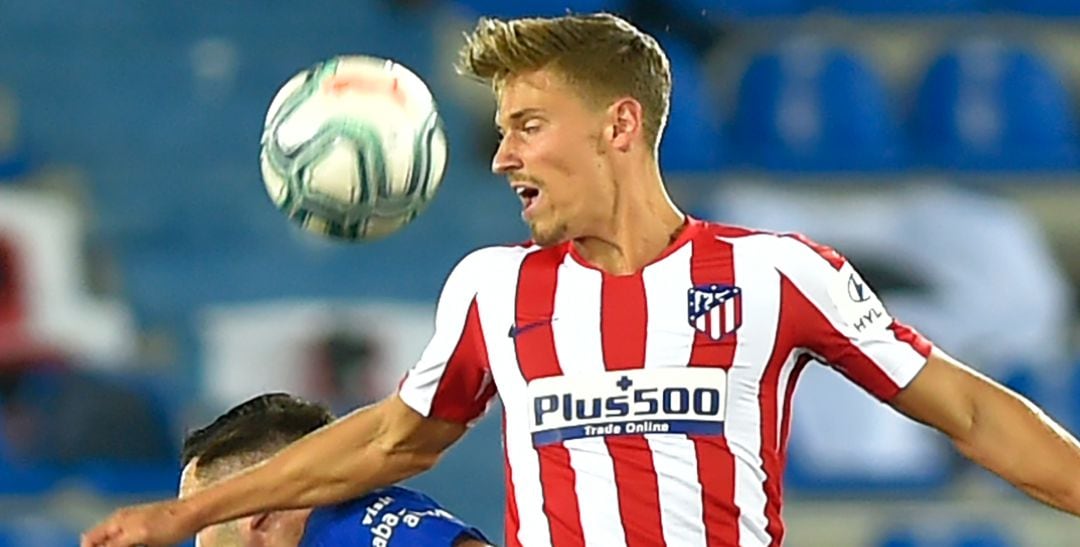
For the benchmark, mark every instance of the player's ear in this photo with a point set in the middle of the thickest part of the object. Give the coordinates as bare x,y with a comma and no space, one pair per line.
272,527
625,118
261,522
257,530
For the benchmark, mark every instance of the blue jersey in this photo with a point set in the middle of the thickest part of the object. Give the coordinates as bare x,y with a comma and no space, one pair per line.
390,517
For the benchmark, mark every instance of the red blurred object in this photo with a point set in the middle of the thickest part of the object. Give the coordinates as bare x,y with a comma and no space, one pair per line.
19,349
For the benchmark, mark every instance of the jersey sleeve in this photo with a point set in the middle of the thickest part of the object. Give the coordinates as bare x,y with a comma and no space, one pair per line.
840,320
452,380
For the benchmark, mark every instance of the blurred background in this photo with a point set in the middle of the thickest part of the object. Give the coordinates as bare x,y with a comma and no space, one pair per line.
147,283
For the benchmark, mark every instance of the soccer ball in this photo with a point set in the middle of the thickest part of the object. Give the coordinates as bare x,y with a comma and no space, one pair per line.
353,147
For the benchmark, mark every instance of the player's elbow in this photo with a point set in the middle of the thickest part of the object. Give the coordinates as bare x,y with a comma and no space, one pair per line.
1071,497
412,462
401,459
972,431
409,443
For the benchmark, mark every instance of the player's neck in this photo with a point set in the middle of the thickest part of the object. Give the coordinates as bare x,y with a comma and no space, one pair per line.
643,224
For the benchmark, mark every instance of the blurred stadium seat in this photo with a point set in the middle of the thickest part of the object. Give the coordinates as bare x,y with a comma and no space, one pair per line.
152,471
75,439
807,480
535,8
36,532
14,160
845,444
743,8
905,7
1050,8
693,140
19,478
944,534
1071,399
810,106
110,478
989,105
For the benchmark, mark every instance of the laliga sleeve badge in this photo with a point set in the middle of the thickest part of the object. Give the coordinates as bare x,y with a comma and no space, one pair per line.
857,289
856,303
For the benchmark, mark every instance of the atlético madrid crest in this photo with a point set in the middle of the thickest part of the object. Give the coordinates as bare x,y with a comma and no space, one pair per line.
715,310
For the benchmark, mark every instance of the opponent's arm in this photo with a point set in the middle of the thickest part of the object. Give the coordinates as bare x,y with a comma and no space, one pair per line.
371,448
997,429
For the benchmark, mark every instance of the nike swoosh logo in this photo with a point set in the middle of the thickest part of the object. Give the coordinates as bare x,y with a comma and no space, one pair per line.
516,331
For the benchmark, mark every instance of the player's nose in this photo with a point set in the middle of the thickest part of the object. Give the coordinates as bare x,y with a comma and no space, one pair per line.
505,160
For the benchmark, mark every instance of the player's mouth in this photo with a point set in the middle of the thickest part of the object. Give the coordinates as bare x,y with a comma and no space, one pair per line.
529,196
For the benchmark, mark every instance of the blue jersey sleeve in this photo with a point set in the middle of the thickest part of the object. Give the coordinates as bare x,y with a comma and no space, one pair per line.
391,517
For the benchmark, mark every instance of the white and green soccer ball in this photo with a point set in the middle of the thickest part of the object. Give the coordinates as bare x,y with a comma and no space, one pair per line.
353,147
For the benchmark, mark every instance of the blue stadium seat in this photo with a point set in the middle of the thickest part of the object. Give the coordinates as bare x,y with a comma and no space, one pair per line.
144,476
546,8
982,535
743,8
36,532
19,477
77,444
812,107
1051,8
936,533
904,7
15,151
986,105
693,140
808,480
26,478
900,537
1071,398
114,478
846,443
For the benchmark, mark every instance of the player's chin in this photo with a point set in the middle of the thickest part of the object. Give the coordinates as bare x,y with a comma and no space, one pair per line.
545,241
546,235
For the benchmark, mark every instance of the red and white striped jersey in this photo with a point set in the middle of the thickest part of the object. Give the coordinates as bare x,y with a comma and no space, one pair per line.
654,408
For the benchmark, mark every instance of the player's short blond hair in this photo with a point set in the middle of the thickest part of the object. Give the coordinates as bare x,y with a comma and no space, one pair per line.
601,54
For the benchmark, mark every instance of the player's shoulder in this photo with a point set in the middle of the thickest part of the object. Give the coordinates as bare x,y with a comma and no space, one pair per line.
486,267
364,508
496,255
774,245
345,523
756,239
722,231
495,261
388,516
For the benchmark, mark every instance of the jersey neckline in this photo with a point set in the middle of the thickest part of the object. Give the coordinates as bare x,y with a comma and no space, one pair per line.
690,227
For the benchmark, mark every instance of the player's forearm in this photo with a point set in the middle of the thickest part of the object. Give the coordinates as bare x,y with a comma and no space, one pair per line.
353,456
323,468
359,454
1016,440
344,471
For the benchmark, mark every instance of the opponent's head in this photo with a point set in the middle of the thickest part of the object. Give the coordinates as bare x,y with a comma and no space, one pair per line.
244,436
582,100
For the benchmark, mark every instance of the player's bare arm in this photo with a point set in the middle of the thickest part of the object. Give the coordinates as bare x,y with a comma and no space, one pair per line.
371,448
997,429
